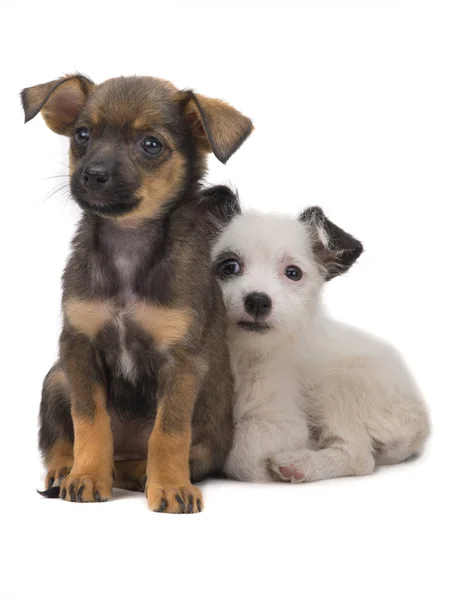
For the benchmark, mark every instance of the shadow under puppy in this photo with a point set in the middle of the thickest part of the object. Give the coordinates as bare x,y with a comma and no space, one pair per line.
144,367
314,398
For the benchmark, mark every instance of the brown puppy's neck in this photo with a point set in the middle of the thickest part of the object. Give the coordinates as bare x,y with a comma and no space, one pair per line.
116,237
111,260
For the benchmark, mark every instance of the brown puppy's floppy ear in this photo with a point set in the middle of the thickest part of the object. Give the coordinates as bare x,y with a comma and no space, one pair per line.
60,101
335,249
217,126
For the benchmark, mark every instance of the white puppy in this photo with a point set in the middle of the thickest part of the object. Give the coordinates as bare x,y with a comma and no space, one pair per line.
315,398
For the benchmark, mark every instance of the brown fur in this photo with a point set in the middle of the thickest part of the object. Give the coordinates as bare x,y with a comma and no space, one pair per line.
216,125
87,316
59,110
144,366
56,380
168,458
200,452
92,469
168,487
59,462
130,475
170,178
167,326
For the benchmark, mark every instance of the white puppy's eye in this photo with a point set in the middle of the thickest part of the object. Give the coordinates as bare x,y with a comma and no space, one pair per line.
293,272
228,268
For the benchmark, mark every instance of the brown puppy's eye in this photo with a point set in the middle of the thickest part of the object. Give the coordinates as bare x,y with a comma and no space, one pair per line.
293,272
228,268
82,135
152,146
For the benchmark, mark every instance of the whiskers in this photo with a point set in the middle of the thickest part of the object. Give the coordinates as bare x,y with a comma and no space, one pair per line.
61,190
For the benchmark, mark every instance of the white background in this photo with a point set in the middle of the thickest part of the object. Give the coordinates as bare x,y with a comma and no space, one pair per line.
350,102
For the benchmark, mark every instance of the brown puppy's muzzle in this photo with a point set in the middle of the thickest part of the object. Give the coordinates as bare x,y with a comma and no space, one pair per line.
95,177
102,186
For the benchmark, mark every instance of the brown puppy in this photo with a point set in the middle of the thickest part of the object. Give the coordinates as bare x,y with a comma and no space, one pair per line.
144,368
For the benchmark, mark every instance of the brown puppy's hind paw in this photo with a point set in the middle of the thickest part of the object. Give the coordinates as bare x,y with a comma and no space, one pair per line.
86,488
130,475
186,499
58,469
57,474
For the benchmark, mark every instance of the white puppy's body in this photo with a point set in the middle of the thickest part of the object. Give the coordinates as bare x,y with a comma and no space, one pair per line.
269,412
314,398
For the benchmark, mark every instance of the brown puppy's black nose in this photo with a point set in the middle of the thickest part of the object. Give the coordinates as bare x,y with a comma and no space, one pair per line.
95,176
257,305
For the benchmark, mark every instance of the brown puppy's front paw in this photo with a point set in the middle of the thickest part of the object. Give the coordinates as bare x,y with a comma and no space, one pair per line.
186,499
86,488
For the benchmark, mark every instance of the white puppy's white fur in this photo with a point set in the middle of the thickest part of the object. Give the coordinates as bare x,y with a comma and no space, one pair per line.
314,398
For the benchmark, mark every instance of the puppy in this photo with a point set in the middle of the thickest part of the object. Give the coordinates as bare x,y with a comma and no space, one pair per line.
314,398
144,367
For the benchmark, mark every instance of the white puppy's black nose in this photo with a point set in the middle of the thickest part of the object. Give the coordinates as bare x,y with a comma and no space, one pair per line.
257,305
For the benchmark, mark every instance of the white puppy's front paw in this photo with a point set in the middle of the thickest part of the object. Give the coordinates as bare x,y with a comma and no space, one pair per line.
293,467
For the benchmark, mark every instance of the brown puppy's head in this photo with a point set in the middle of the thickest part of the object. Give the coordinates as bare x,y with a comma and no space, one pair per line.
137,143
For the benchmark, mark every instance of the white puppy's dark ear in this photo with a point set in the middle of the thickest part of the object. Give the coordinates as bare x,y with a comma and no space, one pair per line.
335,249
221,205
222,202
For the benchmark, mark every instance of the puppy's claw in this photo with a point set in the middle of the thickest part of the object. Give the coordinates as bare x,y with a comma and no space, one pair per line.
163,505
79,496
72,493
97,496
181,503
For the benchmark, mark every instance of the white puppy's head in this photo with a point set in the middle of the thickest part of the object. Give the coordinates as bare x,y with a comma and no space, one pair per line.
271,268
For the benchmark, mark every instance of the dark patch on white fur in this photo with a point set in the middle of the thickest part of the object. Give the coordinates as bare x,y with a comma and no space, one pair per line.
335,249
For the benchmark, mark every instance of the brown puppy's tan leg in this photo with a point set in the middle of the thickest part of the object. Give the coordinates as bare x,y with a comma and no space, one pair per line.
168,478
132,474
90,479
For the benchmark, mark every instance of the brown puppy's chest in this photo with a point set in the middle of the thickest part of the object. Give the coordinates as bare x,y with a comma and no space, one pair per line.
121,348
117,297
